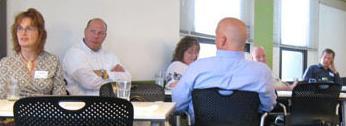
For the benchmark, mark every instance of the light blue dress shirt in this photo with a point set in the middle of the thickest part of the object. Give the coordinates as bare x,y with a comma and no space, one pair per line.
227,70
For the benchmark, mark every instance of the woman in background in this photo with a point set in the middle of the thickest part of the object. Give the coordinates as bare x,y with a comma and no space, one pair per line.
186,52
31,69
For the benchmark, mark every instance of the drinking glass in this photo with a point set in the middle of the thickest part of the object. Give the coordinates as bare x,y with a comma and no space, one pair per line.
13,90
160,78
123,89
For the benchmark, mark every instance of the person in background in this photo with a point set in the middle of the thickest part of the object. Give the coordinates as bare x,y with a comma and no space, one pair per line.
34,71
186,52
258,55
227,70
324,71
88,66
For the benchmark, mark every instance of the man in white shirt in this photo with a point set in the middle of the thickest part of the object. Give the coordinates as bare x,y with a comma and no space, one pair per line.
258,55
87,66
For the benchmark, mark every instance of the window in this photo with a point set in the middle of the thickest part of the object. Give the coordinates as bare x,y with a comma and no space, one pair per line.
295,30
209,12
292,63
207,50
295,21
199,18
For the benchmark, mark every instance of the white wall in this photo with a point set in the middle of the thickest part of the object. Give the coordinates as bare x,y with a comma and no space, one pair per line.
142,33
332,34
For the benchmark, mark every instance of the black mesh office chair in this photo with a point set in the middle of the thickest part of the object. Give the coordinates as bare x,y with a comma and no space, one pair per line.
214,109
343,81
106,90
147,91
314,104
50,111
142,91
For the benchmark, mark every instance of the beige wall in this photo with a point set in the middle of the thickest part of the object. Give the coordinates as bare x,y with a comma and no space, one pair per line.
332,34
142,33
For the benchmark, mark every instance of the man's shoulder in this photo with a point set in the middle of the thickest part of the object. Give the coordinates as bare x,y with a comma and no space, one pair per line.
74,50
257,66
204,60
315,66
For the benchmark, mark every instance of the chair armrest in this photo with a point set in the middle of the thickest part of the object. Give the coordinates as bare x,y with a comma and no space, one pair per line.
283,108
177,118
264,115
337,109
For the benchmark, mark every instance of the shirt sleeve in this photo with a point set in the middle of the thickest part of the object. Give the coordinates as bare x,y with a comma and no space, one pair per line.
267,94
88,79
174,72
58,81
76,67
3,80
308,74
181,94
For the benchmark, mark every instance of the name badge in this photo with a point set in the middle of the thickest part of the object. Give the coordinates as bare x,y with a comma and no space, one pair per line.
331,74
41,74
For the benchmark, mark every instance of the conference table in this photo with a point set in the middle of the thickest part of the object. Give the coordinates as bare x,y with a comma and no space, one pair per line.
156,113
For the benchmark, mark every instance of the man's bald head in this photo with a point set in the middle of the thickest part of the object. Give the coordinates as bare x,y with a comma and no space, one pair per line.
258,54
231,34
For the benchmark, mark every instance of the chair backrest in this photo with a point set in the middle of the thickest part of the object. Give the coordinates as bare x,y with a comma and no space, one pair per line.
147,91
214,108
142,91
343,81
49,111
314,103
106,90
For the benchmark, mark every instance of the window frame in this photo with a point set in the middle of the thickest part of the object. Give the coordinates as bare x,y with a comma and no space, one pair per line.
3,35
187,25
293,49
312,42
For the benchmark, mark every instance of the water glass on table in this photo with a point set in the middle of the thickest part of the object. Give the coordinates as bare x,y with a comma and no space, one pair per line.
13,90
160,78
123,88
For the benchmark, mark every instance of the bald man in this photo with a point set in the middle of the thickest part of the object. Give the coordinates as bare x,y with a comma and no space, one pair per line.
227,70
87,66
258,55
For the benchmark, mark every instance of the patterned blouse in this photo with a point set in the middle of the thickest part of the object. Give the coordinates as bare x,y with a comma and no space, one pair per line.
51,82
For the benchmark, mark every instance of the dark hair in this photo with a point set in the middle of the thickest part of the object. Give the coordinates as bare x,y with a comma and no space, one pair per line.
329,51
36,21
184,44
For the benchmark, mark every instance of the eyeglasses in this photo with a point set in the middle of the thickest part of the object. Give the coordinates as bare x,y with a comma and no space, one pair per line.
29,29
96,32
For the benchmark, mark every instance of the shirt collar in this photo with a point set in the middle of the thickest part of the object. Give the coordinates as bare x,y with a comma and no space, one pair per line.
321,67
230,54
85,47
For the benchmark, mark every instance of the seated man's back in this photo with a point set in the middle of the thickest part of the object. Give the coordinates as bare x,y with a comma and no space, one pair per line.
227,70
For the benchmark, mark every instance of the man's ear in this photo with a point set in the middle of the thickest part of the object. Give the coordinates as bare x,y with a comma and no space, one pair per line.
221,41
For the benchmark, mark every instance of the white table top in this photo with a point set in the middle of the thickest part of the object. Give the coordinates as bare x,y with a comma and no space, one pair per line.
152,110
142,110
285,94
